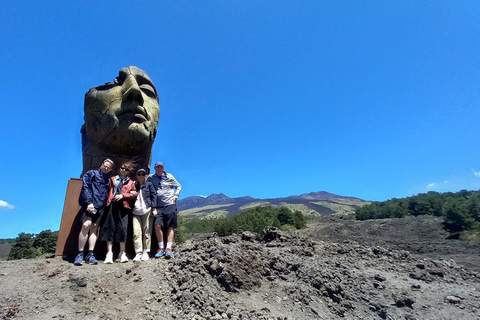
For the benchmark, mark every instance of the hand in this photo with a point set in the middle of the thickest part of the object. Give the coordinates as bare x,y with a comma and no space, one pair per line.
134,192
175,199
154,212
90,208
118,197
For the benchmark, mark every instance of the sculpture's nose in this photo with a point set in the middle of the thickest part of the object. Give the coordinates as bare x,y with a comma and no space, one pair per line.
131,90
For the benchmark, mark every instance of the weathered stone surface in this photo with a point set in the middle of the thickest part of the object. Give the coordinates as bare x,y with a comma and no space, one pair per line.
121,120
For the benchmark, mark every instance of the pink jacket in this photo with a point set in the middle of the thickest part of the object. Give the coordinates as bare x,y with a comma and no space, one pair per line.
126,188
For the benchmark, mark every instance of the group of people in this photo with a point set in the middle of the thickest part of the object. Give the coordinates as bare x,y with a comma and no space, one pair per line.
107,201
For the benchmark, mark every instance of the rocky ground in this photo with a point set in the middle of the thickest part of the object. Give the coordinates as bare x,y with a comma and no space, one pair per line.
333,270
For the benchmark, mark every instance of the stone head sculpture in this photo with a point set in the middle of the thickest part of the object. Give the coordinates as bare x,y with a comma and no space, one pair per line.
120,120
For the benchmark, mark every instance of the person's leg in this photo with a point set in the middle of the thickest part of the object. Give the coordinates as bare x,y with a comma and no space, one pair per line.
171,225
83,235
106,233
109,256
109,247
159,234
147,235
168,249
121,233
92,240
147,232
82,240
137,233
170,234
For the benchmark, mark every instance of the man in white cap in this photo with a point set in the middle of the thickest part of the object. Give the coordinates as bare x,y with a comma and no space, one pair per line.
168,189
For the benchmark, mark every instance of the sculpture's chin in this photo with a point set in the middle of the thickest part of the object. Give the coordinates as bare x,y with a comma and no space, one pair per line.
128,137
139,130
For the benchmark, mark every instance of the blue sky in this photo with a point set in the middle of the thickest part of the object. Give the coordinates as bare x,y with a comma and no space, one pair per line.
370,99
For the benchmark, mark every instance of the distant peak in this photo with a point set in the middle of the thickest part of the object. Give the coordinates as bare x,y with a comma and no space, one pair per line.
218,196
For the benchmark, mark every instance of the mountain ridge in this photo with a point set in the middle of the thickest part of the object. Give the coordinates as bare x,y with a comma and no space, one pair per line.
219,204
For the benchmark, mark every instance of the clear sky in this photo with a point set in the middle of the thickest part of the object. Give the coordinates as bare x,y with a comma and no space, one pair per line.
369,99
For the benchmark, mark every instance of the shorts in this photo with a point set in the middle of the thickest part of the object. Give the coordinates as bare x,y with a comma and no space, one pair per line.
84,215
167,216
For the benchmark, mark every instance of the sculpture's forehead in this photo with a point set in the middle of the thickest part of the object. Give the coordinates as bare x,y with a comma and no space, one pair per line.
141,77
137,72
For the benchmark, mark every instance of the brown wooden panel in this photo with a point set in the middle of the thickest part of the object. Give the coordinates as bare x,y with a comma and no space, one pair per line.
69,227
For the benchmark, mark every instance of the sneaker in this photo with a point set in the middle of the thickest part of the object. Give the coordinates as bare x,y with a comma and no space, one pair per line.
168,253
138,257
78,260
123,257
145,256
90,258
159,253
109,258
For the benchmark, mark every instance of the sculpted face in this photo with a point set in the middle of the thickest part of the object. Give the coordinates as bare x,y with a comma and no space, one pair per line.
122,115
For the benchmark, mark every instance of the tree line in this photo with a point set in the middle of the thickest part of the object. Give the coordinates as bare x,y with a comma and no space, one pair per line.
460,210
254,220
29,245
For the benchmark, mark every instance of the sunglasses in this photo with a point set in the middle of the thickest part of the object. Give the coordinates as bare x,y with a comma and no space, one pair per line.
140,174
123,168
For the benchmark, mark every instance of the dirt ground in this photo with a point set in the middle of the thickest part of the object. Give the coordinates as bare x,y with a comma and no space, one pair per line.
422,236
388,269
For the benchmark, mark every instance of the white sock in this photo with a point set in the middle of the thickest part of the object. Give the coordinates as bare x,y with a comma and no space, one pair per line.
169,245
160,245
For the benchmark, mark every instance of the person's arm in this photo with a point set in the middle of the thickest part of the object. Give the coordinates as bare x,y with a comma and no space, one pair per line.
178,188
88,191
127,193
153,195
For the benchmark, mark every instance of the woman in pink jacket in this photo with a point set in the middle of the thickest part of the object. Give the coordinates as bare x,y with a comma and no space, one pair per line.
120,197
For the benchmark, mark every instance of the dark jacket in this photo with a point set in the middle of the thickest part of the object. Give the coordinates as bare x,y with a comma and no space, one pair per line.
94,189
148,193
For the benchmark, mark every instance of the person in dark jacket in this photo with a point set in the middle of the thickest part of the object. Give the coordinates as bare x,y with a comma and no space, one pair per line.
93,198
142,216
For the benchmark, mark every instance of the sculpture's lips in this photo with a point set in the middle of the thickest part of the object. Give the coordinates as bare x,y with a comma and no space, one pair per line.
136,117
137,114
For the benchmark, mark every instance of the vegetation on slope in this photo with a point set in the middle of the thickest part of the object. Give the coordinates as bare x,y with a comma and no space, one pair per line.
28,245
460,210
255,220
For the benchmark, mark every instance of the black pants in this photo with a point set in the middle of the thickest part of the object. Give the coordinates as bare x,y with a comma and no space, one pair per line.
115,223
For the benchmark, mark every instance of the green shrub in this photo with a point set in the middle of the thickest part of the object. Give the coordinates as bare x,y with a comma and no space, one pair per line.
45,241
180,235
254,220
23,247
299,220
456,216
